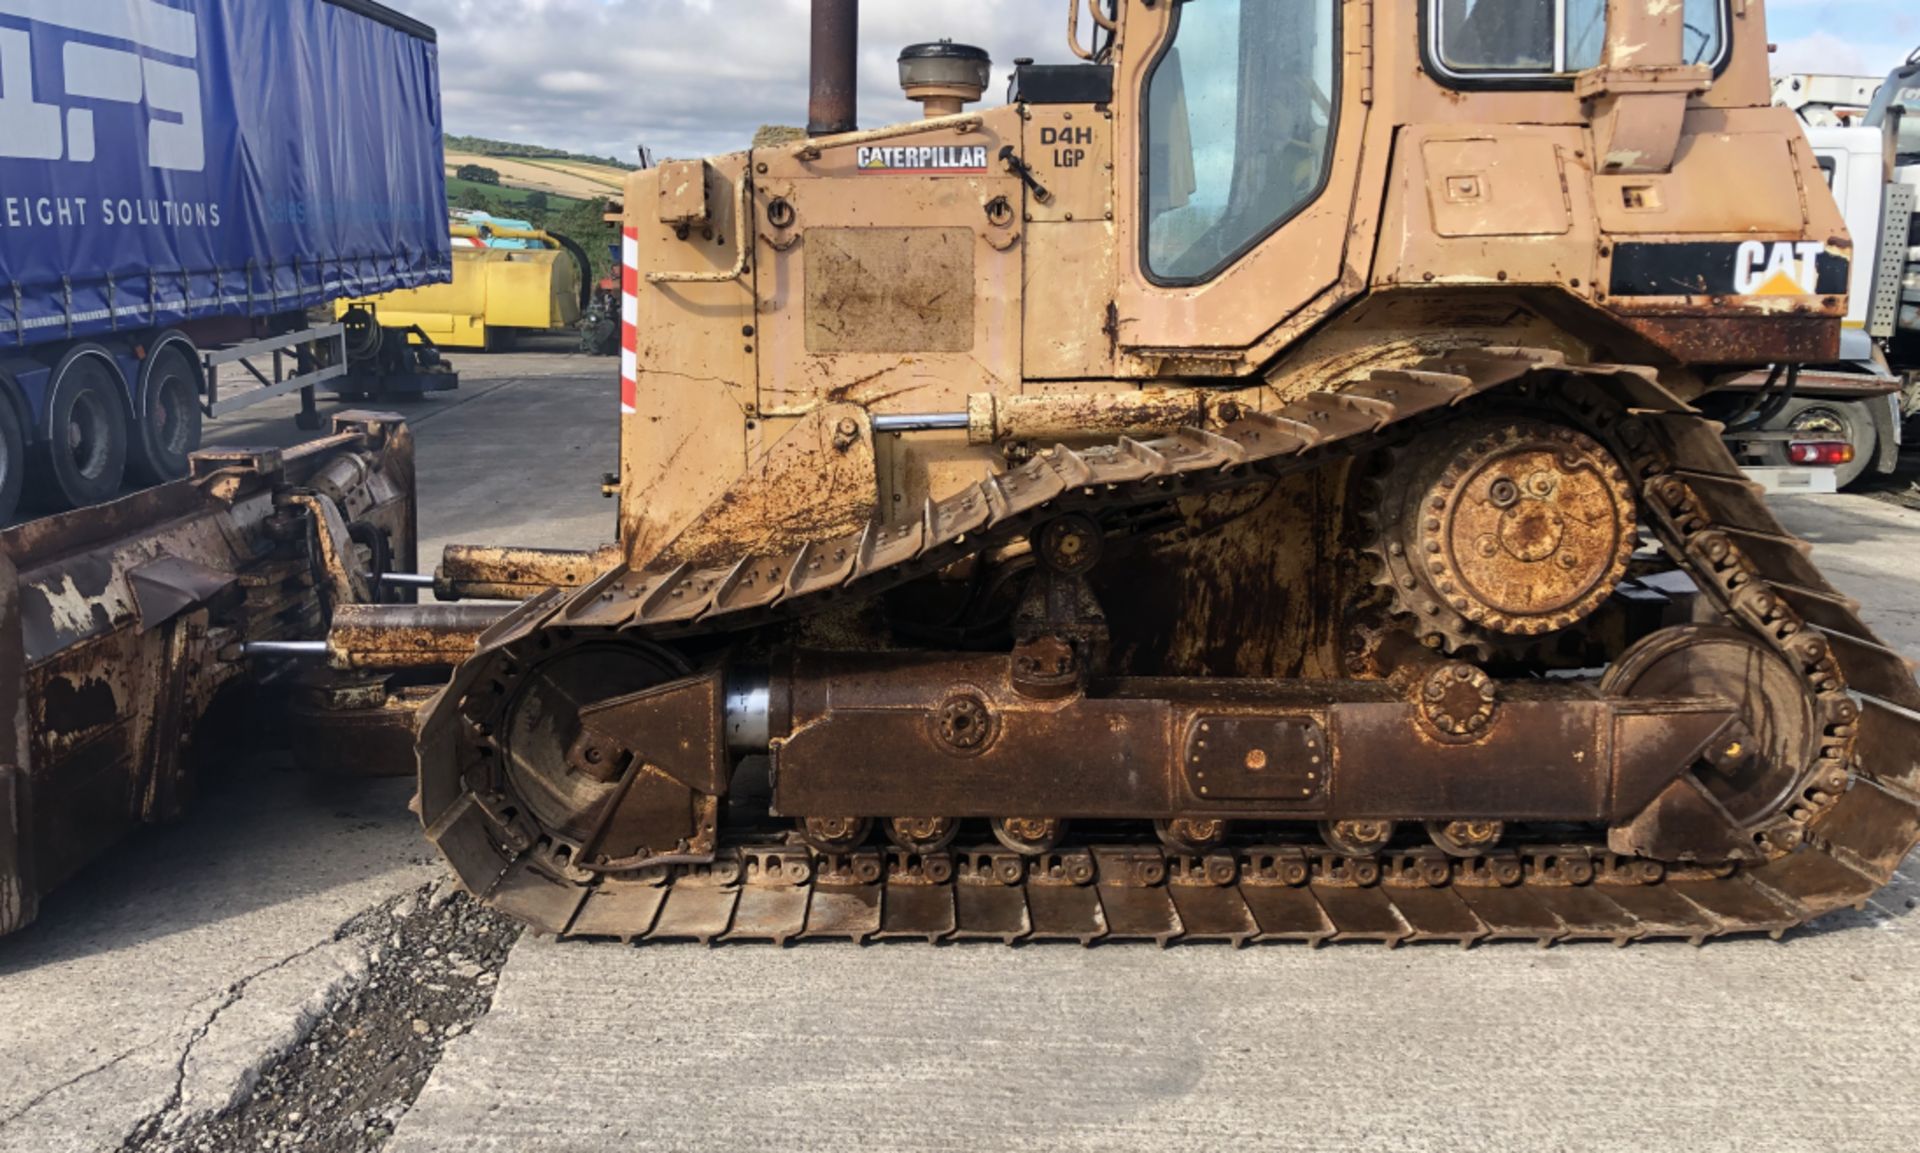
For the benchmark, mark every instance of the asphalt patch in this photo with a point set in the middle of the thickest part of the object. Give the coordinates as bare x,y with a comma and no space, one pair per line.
435,962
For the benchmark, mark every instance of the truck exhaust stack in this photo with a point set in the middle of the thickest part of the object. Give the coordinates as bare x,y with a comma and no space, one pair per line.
834,103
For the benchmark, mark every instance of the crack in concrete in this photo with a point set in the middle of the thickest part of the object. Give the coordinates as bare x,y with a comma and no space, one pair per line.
158,1120
169,1116
45,1095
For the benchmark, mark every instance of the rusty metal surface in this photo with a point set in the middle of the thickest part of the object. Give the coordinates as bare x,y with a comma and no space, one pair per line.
1842,385
19,893
119,624
1828,846
1736,338
492,572
1249,750
757,512
1519,528
363,727
391,637
834,92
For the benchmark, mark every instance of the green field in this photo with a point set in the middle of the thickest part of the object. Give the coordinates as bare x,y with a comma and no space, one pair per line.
507,196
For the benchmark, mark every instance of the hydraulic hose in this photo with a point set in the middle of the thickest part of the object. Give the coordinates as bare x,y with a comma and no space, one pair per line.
580,258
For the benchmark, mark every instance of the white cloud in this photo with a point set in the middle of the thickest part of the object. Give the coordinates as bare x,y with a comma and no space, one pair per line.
1835,55
688,77
696,77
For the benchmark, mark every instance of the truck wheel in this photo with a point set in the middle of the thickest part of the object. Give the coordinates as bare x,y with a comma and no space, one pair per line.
13,460
1837,420
86,457
168,431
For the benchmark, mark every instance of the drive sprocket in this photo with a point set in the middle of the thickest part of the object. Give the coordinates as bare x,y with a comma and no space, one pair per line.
1502,528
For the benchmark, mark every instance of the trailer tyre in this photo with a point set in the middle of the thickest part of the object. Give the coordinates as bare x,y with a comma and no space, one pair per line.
13,459
86,456
167,434
1840,420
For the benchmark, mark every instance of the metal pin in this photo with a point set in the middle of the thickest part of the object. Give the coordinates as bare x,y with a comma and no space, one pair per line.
404,580
284,649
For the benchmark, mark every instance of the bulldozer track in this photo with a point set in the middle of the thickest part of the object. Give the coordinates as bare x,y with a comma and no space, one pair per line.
1853,818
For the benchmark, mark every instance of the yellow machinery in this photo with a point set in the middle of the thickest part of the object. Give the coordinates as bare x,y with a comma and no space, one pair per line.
508,278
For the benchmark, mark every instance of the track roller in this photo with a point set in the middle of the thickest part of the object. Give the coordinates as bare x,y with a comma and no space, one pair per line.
1466,838
922,834
1190,835
836,834
1357,838
1028,836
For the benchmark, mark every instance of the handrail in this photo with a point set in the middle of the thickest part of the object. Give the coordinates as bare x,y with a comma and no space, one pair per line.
1110,25
743,226
477,232
1073,30
812,147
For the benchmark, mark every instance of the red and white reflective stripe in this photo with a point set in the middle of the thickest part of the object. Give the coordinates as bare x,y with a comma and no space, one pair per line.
629,321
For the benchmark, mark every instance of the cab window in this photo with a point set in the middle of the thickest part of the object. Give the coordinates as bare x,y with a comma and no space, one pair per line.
1902,89
1548,38
1241,111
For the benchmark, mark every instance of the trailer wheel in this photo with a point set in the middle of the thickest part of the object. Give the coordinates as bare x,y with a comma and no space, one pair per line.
13,458
86,454
1838,420
168,431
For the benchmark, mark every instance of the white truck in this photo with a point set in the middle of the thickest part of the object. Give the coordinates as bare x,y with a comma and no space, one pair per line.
1849,418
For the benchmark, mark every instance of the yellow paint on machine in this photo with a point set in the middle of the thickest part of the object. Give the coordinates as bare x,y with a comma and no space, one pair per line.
495,292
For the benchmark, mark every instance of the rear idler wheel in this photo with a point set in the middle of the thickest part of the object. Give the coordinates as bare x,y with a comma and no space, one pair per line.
1191,835
1466,838
1357,838
836,834
922,834
1028,836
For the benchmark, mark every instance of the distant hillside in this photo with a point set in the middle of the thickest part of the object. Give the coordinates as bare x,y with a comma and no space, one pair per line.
480,146
548,187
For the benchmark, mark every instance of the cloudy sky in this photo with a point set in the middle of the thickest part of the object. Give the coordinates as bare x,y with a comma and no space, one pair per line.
694,77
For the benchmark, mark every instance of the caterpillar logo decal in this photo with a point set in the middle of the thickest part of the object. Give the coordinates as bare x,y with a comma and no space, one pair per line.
1780,269
1727,268
966,159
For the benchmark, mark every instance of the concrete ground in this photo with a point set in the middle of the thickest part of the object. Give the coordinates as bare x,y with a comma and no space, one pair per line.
514,457
155,986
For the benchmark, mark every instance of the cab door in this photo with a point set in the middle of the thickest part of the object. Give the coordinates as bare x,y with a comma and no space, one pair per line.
1243,147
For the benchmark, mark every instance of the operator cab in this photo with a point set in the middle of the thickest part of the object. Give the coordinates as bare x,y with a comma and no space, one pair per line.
1241,112
1901,90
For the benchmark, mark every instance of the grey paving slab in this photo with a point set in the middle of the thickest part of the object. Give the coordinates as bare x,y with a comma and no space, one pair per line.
158,981
1742,1046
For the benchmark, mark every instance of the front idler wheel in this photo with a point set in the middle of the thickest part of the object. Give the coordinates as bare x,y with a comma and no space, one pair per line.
1748,781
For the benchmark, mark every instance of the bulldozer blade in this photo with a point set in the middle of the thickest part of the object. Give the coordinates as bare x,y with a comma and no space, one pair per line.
123,627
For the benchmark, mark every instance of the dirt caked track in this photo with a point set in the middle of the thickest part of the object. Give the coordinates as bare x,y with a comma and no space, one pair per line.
1850,817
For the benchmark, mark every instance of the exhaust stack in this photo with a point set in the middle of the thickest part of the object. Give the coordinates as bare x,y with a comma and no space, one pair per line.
833,106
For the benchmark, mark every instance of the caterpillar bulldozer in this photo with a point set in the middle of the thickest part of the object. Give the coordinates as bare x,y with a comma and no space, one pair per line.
1246,487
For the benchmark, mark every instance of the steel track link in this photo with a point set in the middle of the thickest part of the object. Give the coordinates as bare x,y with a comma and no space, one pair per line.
1855,818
